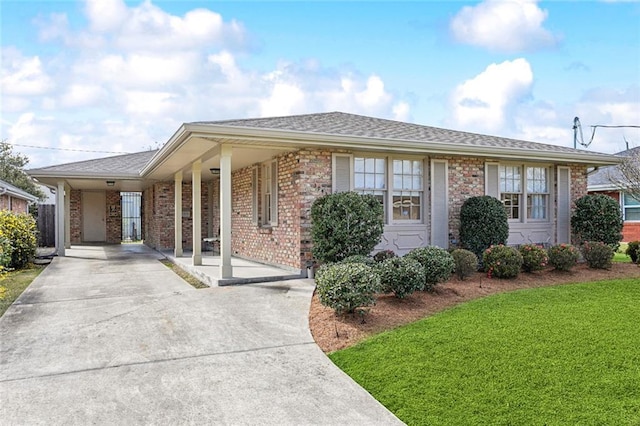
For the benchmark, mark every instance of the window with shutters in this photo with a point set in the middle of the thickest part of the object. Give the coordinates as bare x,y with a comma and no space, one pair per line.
524,195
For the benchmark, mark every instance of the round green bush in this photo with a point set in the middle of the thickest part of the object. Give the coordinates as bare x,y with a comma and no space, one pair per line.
20,230
633,251
5,253
437,263
534,257
597,218
384,255
502,261
344,287
466,263
359,258
597,254
563,257
401,275
345,224
483,223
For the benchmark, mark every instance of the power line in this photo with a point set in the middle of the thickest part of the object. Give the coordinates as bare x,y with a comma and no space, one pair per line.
68,149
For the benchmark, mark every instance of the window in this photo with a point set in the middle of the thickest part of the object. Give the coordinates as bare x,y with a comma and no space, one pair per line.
510,190
369,177
407,190
534,200
265,194
537,193
631,208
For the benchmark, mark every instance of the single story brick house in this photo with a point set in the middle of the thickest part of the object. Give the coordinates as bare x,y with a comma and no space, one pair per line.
253,181
602,181
15,199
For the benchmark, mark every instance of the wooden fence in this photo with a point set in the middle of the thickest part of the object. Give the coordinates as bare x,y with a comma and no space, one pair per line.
46,225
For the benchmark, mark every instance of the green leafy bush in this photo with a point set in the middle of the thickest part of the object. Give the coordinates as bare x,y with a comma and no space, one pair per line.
359,258
5,253
483,223
633,251
344,224
466,263
437,263
401,275
502,261
20,230
563,257
597,254
534,257
344,287
384,255
597,218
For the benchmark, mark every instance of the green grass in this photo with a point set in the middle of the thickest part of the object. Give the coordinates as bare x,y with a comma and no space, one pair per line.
619,255
561,355
190,279
14,283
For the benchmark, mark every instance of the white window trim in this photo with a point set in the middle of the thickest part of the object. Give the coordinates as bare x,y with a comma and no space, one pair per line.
624,209
392,189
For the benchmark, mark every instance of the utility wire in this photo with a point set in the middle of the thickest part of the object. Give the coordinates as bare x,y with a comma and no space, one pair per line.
68,149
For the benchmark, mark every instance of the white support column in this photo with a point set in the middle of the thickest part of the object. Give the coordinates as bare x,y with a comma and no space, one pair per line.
226,271
196,189
67,217
60,219
177,212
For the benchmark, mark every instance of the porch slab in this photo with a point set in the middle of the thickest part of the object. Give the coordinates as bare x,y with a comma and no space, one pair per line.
244,271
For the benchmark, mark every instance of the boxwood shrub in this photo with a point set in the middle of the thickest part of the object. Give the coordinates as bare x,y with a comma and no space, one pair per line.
563,257
345,287
483,223
437,263
597,217
534,257
359,258
384,255
466,263
633,251
502,261
401,276
345,224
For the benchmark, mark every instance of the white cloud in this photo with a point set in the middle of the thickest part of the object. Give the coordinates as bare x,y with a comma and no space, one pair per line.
508,26
79,95
483,103
23,76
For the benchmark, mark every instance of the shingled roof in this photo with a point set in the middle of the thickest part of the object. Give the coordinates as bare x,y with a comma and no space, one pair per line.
126,165
605,177
343,124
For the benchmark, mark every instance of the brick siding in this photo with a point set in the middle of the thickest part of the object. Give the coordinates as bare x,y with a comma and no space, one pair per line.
17,205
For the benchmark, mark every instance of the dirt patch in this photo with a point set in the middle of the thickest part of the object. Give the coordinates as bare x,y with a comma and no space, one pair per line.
332,332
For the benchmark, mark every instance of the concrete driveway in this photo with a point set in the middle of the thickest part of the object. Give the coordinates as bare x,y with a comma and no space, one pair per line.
109,335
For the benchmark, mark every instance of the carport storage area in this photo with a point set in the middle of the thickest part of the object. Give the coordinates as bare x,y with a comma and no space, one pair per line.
109,335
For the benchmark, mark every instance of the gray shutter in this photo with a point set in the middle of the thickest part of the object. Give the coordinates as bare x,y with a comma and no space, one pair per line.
492,180
564,205
341,173
439,204
274,193
254,196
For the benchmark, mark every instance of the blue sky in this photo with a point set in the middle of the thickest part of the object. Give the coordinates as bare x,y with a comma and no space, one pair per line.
108,75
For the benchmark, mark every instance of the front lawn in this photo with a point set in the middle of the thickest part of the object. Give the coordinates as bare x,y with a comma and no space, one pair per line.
620,256
555,355
14,284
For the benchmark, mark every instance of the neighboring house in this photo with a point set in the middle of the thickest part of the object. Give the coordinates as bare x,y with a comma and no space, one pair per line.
15,199
253,181
602,181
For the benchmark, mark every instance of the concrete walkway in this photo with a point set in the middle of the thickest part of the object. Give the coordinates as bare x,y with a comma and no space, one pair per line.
109,335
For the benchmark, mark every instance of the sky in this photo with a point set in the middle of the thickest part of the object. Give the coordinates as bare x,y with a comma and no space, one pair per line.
86,79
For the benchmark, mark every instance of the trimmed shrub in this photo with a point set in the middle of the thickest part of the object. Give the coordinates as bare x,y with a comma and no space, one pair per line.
597,254
597,218
401,275
344,287
633,251
20,230
359,258
437,263
344,224
466,263
502,261
384,255
534,257
483,223
563,257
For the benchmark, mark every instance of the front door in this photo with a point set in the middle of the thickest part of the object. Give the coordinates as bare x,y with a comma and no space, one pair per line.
94,212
